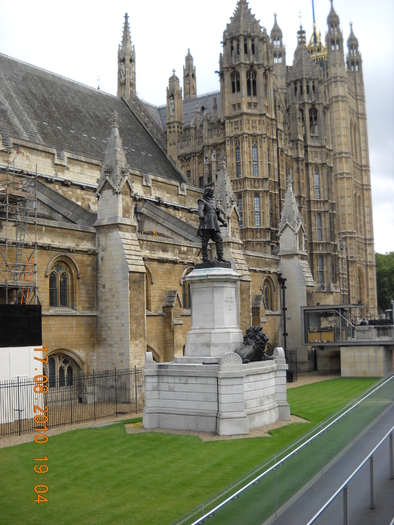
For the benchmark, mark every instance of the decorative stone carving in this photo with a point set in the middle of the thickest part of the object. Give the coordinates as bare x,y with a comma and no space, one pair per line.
230,359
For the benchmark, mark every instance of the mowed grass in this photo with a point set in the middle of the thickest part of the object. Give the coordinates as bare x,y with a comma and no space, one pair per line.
106,476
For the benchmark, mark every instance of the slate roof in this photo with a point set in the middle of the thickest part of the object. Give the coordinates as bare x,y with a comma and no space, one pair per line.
189,108
49,110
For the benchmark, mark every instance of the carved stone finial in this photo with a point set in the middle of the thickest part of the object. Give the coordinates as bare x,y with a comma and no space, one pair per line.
115,118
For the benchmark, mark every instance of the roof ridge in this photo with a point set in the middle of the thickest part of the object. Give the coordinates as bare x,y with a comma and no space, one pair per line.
57,75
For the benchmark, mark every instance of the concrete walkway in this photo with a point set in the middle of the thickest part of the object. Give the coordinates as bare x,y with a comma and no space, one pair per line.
307,505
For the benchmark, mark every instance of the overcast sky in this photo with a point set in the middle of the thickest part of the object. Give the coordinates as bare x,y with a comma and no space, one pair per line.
79,40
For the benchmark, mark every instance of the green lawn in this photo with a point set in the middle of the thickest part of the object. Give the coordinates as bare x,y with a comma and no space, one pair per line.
106,476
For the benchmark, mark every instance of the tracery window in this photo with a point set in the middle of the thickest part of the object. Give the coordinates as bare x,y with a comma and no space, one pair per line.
257,216
319,227
276,42
313,121
255,160
317,186
60,280
235,82
59,370
251,86
238,161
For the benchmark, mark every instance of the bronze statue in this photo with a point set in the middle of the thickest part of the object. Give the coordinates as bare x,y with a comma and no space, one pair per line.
255,341
210,216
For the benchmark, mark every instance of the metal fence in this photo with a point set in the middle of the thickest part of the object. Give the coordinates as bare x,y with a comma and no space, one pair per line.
86,398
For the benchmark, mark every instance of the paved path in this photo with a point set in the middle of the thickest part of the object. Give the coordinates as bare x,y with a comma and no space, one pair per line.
307,505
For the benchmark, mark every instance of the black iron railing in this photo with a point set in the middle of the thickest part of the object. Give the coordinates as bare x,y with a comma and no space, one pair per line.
86,398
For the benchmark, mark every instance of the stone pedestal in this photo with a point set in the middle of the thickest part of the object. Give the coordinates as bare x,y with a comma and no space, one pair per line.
209,389
215,327
226,396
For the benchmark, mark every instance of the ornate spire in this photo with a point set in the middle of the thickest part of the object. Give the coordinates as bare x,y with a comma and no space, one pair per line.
276,32
332,18
243,21
126,40
115,169
352,40
189,78
126,63
291,215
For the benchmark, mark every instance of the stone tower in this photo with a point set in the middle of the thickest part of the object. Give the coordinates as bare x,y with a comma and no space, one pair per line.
247,106
351,176
126,63
189,78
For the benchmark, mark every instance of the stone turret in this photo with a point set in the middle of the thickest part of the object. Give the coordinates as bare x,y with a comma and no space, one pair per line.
174,116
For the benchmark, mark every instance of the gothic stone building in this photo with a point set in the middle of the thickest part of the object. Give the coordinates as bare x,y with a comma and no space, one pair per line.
306,122
116,182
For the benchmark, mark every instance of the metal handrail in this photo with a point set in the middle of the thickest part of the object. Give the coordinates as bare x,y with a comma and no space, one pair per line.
295,451
349,479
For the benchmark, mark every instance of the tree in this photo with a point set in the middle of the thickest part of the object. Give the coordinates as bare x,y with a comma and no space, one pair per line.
385,279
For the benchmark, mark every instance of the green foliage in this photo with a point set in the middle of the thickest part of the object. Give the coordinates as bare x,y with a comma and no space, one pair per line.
106,476
385,279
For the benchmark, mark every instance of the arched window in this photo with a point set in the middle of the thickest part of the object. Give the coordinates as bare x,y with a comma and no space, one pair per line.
313,121
267,292
255,160
276,42
186,289
257,220
332,45
238,161
252,46
235,82
245,46
148,288
319,227
60,286
337,47
279,58
60,371
317,186
321,270
251,87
